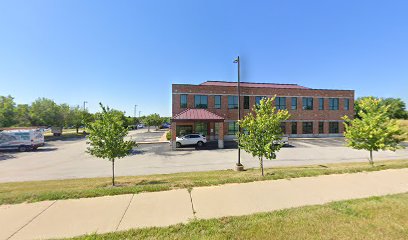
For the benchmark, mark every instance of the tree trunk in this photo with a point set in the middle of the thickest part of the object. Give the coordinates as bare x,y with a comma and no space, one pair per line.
77,129
113,172
261,164
371,158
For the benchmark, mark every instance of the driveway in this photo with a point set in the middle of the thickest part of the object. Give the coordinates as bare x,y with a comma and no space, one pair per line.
67,159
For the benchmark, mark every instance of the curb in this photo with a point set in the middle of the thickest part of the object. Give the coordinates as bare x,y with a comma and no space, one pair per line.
159,142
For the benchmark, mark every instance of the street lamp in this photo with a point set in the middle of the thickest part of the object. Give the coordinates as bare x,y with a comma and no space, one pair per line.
85,102
239,166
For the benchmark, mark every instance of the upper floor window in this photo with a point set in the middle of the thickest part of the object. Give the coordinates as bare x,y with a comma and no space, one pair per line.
346,104
307,103
258,99
233,102
333,103
294,103
183,100
217,101
200,101
280,102
246,102
321,103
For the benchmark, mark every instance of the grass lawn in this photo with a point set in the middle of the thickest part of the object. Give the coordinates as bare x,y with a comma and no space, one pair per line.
404,124
370,218
66,133
11,193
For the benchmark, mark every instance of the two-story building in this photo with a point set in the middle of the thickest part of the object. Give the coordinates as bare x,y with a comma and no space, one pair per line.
211,108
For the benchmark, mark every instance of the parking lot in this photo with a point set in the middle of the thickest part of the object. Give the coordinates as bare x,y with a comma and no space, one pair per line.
67,159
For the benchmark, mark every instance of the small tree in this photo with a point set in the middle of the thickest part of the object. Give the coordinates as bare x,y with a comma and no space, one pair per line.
152,120
262,131
373,130
106,137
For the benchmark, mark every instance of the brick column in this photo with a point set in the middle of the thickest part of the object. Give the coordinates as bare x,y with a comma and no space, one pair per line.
221,135
173,135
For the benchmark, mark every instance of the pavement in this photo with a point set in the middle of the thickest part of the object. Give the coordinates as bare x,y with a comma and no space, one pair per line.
68,218
68,159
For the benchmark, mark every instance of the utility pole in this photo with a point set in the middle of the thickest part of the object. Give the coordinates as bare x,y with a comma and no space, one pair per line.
135,111
85,102
239,166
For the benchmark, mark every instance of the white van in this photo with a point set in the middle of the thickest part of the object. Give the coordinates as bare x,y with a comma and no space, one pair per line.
23,140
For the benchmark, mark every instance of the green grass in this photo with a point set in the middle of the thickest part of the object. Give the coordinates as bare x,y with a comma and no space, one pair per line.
12,193
370,218
404,125
66,134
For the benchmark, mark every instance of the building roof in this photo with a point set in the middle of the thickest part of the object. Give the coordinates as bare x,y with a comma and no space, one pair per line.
249,84
196,114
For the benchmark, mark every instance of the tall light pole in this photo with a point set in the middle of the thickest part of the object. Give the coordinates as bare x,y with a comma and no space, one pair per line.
85,102
239,166
135,111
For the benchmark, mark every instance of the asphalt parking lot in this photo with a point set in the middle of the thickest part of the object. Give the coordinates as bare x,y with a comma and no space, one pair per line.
67,159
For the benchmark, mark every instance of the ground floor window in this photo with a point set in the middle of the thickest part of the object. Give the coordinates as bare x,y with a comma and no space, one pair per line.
333,127
201,128
294,128
283,127
321,127
232,128
307,127
183,130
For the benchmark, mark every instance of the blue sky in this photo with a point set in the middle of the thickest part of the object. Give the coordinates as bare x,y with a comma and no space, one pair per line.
123,53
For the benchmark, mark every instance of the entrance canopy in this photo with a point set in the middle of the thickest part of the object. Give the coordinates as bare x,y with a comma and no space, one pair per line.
201,115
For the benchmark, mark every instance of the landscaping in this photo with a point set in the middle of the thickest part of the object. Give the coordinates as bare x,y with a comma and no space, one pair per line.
370,218
18,192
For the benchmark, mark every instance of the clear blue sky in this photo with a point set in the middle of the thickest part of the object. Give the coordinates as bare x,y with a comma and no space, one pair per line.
123,53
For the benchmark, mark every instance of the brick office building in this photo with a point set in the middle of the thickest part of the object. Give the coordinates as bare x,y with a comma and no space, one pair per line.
211,108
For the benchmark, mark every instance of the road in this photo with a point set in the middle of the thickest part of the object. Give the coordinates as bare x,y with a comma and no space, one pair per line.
68,159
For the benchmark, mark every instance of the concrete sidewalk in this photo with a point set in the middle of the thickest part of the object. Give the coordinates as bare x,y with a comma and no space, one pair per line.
67,218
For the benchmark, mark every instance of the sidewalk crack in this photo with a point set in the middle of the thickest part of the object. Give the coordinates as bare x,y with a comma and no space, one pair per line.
192,203
18,230
124,213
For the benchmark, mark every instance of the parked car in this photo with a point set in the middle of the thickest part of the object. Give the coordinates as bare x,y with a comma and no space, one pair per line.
140,126
191,139
165,125
23,140
284,141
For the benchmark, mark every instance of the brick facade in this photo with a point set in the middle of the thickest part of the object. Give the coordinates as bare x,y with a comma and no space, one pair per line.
299,115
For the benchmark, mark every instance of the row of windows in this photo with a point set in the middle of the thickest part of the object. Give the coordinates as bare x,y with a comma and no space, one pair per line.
307,127
201,101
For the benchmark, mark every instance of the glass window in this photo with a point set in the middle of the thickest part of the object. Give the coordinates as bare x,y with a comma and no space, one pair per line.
321,127
200,101
283,127
201,128
294,128
183,130
307,127
246,102
217,101
321,103
233,102
232,128
280,102
258,99
294,103
346,104
333,103
307,103
183,100
333,127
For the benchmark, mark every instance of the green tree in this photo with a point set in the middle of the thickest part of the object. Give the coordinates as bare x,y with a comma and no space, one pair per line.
373,130
76,118
7,111
45,112
106,137
22,113
396,108
152,120
262,130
